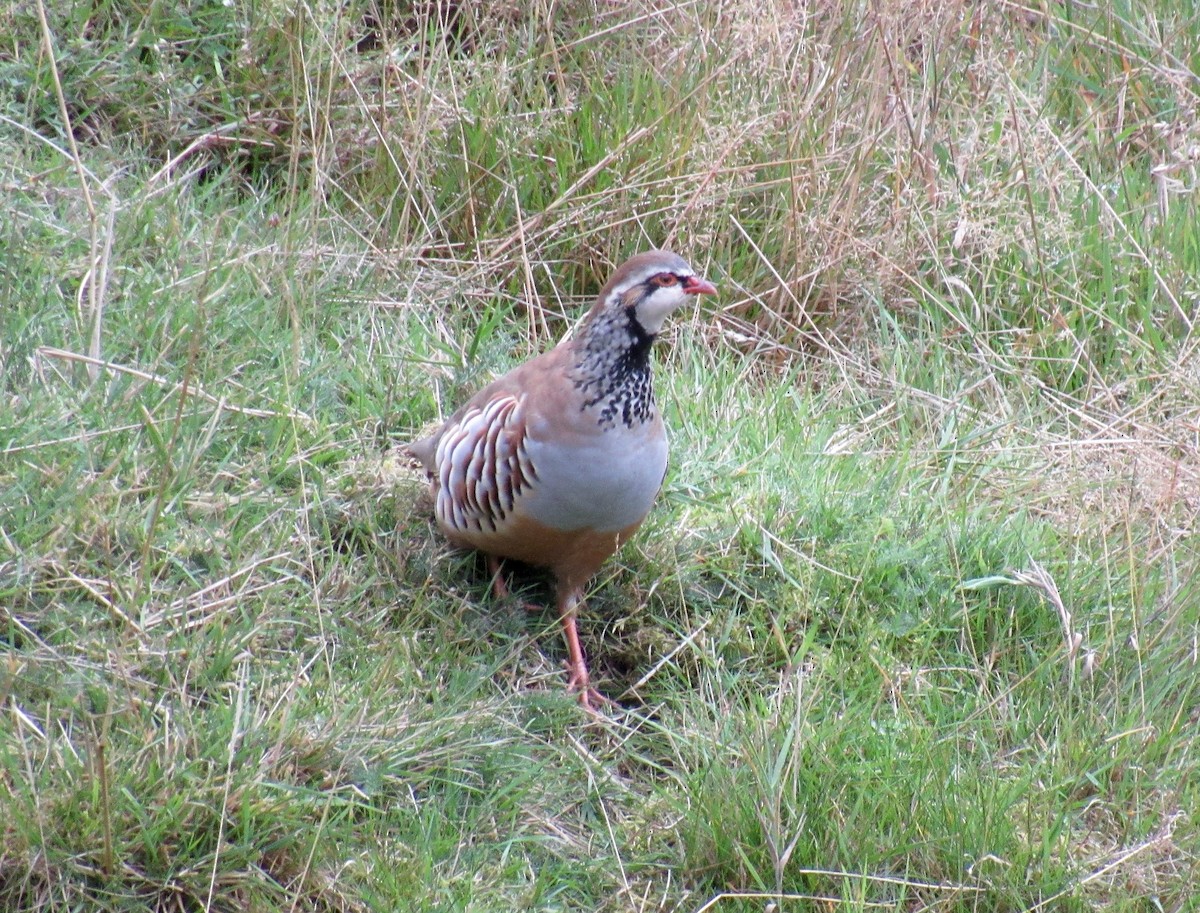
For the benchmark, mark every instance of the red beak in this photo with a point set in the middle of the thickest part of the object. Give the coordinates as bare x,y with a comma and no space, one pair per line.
694,285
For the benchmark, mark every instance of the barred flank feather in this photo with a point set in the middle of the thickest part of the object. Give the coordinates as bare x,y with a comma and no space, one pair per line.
482,466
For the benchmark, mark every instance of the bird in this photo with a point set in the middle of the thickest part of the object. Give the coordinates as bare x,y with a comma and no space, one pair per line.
557,463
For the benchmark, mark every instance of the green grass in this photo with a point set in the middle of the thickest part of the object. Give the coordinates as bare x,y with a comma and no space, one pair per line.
913,623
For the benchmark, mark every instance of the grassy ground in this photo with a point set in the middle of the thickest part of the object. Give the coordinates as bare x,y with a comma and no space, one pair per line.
913,625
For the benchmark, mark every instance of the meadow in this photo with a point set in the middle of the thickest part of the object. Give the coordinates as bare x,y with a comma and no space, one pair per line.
914,623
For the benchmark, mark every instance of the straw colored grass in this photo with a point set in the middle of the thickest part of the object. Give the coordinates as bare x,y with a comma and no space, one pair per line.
913,623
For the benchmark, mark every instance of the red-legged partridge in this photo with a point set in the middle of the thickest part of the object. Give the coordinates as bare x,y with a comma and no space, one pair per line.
558,462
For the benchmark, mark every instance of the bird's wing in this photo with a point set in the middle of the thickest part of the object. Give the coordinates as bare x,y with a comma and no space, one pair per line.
481,466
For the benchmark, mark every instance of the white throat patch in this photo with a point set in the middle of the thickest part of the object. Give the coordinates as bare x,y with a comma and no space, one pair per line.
656,307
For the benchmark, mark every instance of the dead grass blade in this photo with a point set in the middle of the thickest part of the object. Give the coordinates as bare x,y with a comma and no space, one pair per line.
220,402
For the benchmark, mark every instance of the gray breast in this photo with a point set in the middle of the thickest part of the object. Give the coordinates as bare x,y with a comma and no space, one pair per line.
605,482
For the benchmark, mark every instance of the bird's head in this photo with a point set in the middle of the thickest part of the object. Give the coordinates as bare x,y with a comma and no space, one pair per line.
650,286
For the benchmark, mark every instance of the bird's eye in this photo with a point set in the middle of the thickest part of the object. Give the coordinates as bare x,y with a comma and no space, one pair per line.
662,280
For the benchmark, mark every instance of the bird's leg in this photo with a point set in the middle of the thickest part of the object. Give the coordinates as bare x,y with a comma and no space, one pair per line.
577,677
499,587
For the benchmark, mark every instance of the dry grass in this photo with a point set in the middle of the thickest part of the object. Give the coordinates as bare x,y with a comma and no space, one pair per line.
913,626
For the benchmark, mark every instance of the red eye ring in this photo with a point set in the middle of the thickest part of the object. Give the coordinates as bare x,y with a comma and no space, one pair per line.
663,280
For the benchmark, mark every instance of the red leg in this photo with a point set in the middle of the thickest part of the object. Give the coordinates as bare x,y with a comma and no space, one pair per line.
499,587
577,676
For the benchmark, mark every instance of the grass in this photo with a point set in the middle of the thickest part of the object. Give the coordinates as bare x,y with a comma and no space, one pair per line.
913,623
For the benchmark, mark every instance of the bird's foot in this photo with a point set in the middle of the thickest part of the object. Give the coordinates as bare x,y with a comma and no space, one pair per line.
590,699
595,703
